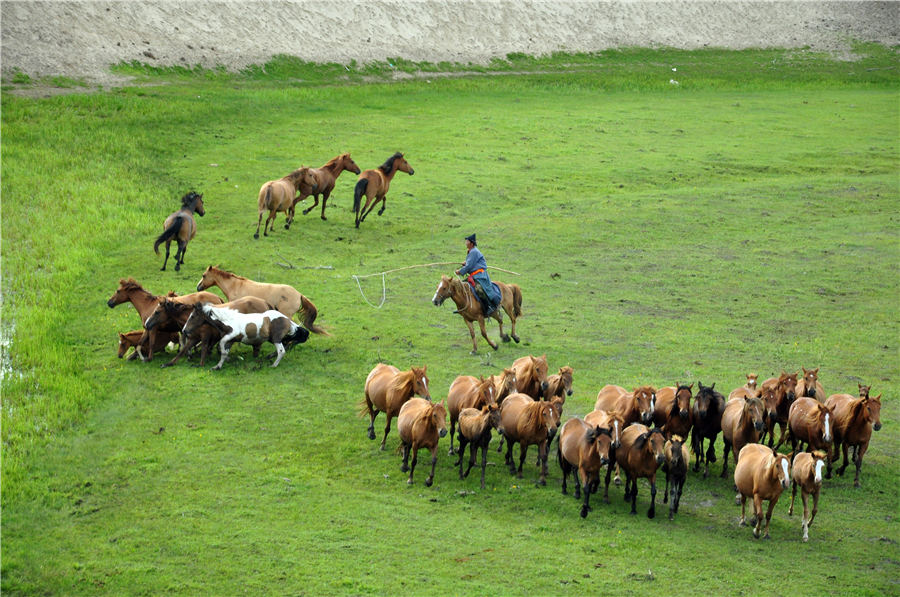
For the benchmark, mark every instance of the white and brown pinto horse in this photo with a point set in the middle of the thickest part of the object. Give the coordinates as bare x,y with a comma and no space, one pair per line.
387,389
470,308
326,176
278,195
283,297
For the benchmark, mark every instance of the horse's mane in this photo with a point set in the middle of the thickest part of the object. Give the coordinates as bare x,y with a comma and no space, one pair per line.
189,198
226,274
404,382
174,307
130,284
389,164
330,164
534,412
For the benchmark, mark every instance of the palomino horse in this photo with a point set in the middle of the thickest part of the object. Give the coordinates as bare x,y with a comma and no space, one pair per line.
326,176
706,415
251,328
387,389
374,184
281,296
421,423
673,410
526,421
531,375
278,195
181,227
854,420
743,420
467,391
470,309
809,385
778,394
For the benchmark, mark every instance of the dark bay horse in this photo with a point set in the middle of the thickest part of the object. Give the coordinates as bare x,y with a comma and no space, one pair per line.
181,227
778,393
278,195
470,309
374,184
326,176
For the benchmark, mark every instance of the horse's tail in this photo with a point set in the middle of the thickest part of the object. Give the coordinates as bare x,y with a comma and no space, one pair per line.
358,192
517,299
309,311
168,233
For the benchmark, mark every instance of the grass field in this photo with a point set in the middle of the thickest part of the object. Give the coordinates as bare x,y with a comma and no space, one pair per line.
743,219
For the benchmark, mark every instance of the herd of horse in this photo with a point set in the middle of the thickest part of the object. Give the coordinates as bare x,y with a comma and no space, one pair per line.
637,432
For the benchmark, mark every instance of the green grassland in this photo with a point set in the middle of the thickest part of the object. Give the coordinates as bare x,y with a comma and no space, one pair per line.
743,219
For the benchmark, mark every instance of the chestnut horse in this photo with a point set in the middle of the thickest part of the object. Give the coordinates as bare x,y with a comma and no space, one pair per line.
281,296
642,452
526,421
144,302
467,391
374,184
778,393
475,430
158,322
504,384
559,384
706,414
133,339
809,385
743,420
421,424
470,308
181,227
278,195
636,406
760,474
810,422
673,410
854,420
583,449
326,176
531,375
387,389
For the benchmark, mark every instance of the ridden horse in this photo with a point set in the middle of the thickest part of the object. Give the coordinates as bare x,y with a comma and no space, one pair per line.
467,391
181,227
810,422
526,421
387,388
585,448
374,184
278,195
251,328
642,452
195,330
743,420
326,176
760,474
470,308
677,459
673,410
158,322
809,385
854,421
420,423
531,375
559,384
778,394
475,429
283,297
706,414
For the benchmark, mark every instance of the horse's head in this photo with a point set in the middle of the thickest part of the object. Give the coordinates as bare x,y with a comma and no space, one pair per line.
507,383
645,403
124,344
347,163
565,376
123,292
305,180
193,201
810,377
492,410
208,278
486,392
863,390
601,437
550,419
439,418
442,292
674,454
751,380
397,162
705,398
158,316
780,466
770,401
654,442
757,411
788,384
420,382
683,397
539,371
194,320
873,408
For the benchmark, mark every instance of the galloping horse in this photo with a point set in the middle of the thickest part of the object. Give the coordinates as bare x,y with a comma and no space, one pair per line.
673,410
854,420
387,389
180,225
151,326
778,393
470,309
144,302
278,195
325,177
467,391
706,414
531,375
420,423
375,184
281,296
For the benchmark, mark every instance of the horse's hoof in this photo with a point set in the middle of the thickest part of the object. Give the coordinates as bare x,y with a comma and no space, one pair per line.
428,482
287,226
323,218
651,513
584,511
256,235
505,338
494,346
474,352
409,481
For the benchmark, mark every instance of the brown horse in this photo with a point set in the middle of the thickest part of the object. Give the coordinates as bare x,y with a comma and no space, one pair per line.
278,195
809,385
559,384
854,421
467,391
374,184
806,473
613,421
706,415
810,422
387,388
642,452
470,308
526,421
636,406
504,384
143,301
531,375
475,430
751,381
283,297
133,339
158,322
673,410
760,474
743,420
181,227
778,393
421,423
677,459
584,448
326,176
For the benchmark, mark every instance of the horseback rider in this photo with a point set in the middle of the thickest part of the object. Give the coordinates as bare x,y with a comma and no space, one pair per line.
475,268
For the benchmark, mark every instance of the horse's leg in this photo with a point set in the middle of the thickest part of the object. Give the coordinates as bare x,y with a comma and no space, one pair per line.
499,317
270,223
782,433
280,348
404,448
371,206
383,205
586,488
633,482
484,448
188,344
325,196
726,448
289,216
651,513
472,335
815,507
258,223
462,452
793,497
858,456
542,456
315,203
772,503
179,256
166,260
806,521
224,344
523,450
566,468
757,514
509,458
452,428
484,333
387,428
370,432
412,465
430,478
